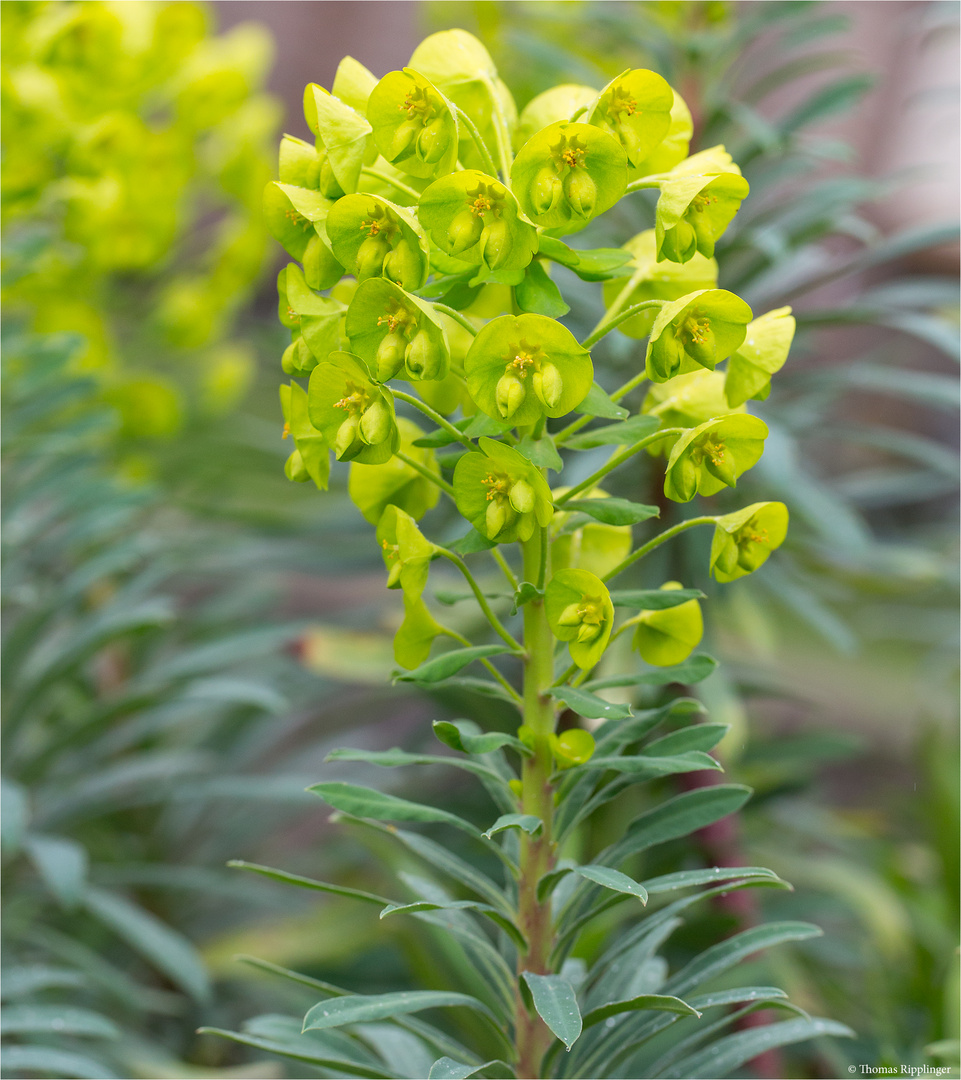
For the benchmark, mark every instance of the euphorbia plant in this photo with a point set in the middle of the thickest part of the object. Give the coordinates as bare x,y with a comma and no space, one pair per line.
452,317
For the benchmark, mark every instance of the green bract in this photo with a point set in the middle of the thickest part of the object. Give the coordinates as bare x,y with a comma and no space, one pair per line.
525,367
314,321
698,330
744,540
636,109
395,483
295,216
414,124
475,218
344,140
687,401
355,415
373,237
353,84
395,332
310,459
713,455
766,344
567,174
580,612
698,199
405,550
501,493
558,103
672,149
653,280
666,637
594,546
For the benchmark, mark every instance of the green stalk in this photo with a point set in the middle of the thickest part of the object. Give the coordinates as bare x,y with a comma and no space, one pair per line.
662,538
537,797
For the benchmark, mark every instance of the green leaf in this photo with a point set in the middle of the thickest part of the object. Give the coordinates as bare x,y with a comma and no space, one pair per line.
46,1061
56,1020
654,599
595,264
473,542
537,293
525,593
722,1057
643,767
693,737
307,883
453,733
396,757
169,951
62,864
613,511
358,1009
726,954
450,663
556,1004
367,802
589,705
304,1048
659,1002
686,879
693,670
446,1068
613,880
524,822
626,433
541,452
26,979
415,906
597,403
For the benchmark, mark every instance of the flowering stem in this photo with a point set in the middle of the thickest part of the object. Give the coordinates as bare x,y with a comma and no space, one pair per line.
616,460
498,626
537,797
668,534
435,416
426,473
396,184
652,181
478,139
451,313
606,326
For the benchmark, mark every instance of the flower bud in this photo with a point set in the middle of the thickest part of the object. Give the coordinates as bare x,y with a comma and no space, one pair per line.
288,360
572,747
329,186
522,497
403,266
548,385
432,142
497,243
587,632
390,356
720,463
729,558
666,355
680,243
464,231
581,192
496,517
375,423
370,257
295,469
346,434
630,140
403,136
393,575
424,357
546,190
510,394
703,233
571,615
685,478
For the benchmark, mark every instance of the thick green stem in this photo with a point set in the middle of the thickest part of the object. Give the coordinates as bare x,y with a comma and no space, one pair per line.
537,798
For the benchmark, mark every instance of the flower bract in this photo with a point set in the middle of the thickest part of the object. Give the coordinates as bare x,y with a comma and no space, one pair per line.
310,458
372,238
670,635
395,483
594,546
580,612
686,401
744,540
501,493
355,415
414,124
763,352
713,455
697,331
636,109
405,550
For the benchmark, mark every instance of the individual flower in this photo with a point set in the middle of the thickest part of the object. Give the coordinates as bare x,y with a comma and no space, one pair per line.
406,552
315,322
636,109
744,540
670,635
712,455
594,546
699,198
567,174
501,493
414,124
395,483
372,238
310,458
396,333
355,415
476,219
295,217
652,280
766,344
525,367
580,612
698,330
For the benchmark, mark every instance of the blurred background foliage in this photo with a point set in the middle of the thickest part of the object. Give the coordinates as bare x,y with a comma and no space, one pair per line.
186,635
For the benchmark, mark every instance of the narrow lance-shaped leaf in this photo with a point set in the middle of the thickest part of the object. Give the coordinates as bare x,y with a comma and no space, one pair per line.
556,1004
358,1009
